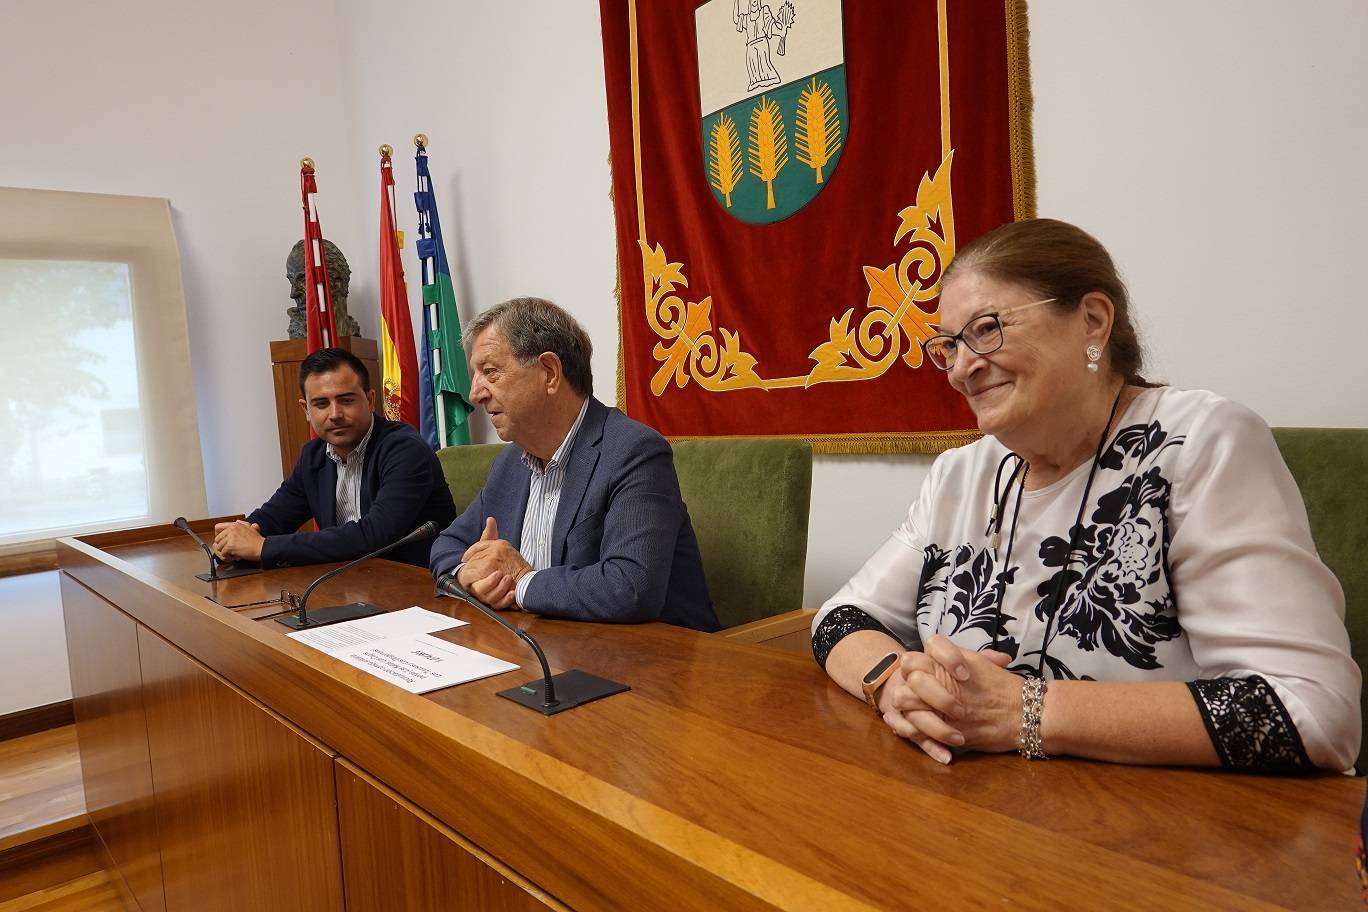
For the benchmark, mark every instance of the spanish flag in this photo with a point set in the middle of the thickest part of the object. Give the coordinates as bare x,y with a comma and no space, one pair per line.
399,362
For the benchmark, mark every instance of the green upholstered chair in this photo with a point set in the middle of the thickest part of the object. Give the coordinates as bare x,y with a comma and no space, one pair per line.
465,468
748,499
1331,469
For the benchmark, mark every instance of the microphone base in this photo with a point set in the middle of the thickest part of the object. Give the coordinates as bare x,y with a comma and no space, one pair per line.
573,688
227,573
335,614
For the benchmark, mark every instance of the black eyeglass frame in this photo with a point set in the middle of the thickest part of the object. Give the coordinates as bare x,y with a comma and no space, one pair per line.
959,339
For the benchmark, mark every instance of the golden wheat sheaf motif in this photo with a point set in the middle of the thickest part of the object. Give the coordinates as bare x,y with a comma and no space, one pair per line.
817,128
692,348
725,166
768,145
895,323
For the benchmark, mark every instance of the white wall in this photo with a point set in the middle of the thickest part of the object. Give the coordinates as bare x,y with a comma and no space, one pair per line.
1215,148
33,660
210,106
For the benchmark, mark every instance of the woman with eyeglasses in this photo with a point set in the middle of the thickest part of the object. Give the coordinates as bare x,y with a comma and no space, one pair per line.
1117,570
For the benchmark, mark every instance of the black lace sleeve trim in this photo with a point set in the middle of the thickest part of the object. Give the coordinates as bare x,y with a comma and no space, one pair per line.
1249,726
837,625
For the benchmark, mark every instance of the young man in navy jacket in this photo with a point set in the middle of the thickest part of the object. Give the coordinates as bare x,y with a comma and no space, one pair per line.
365,480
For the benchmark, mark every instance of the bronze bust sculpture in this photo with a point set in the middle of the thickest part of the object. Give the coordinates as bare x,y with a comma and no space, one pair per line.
339,279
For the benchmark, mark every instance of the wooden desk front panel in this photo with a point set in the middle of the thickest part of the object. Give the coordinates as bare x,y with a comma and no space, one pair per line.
395,856
732,777
111,727
245,804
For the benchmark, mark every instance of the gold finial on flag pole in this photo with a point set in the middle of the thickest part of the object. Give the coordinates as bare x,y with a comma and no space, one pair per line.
306,164
420,140
386,150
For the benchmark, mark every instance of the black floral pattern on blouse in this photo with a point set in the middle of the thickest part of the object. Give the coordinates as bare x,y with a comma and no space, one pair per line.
977,593
1121,552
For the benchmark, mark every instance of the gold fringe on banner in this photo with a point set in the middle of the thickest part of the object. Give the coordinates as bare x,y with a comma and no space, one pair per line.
1020,105
927,443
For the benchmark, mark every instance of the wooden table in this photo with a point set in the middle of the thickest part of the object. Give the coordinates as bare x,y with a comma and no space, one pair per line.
227,766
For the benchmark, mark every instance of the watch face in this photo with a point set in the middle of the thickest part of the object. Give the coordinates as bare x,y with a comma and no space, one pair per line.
879,669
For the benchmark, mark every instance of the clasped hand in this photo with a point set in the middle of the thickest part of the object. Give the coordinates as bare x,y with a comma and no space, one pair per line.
491,569
948,697
237,541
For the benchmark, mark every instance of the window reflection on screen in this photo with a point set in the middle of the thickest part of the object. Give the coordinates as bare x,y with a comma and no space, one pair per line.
71,431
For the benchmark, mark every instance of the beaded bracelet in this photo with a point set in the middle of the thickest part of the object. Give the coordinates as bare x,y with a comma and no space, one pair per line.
1032,705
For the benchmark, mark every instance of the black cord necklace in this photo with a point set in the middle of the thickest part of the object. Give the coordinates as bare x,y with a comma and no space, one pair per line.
1024,468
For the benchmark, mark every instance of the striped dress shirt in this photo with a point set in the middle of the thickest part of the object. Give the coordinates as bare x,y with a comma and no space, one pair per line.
543,499
348,491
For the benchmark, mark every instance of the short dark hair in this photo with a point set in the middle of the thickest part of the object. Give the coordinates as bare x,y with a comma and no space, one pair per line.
531,326
1058,260
330,359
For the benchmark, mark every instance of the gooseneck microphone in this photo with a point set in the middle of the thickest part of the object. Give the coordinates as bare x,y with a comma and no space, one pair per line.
184,525
447,583
229,569
576,687
349,612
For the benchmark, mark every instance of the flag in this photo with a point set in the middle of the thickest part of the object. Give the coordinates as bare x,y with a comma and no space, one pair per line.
318,305
445,380
399,362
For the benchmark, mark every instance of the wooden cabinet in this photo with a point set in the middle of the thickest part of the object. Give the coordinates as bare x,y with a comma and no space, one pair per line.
111,728
245,802
395,856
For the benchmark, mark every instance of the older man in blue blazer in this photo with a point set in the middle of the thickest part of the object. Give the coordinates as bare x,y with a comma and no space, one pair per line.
367,481
589,496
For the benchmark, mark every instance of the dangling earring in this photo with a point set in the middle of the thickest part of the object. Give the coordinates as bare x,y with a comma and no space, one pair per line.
1094,355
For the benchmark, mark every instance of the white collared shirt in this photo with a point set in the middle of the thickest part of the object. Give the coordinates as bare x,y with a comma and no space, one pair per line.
543,500
348,491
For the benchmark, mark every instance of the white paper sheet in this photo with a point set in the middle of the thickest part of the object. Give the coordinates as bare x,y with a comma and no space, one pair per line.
423,663
337,638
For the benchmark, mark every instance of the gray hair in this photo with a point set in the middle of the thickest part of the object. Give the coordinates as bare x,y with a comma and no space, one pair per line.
531,326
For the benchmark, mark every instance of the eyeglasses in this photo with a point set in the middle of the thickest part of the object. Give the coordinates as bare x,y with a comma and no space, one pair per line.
981,335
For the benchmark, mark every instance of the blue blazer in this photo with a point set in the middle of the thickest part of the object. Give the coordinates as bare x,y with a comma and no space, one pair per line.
402,486
622,546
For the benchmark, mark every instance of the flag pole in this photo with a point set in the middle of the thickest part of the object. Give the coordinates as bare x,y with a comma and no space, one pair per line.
446,381
321,329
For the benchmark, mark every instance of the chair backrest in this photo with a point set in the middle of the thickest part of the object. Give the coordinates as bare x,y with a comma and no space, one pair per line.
1331,469
465,468
748,499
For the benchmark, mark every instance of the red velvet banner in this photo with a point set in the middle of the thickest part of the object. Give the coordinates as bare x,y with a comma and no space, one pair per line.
784,216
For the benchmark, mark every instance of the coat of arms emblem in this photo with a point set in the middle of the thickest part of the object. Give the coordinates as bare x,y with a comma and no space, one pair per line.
771,82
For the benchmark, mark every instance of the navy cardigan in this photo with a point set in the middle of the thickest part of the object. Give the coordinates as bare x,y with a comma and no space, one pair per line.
402,486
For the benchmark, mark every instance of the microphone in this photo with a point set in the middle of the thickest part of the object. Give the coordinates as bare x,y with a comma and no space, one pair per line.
215,574
576,687
353,610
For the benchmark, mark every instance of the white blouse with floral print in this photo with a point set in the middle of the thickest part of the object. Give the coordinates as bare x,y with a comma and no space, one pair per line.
1193,562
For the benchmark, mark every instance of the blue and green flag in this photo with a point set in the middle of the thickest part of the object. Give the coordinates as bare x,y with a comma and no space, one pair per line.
443,376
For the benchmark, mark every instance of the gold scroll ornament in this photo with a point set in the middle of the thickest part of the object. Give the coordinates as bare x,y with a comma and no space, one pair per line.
691,348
